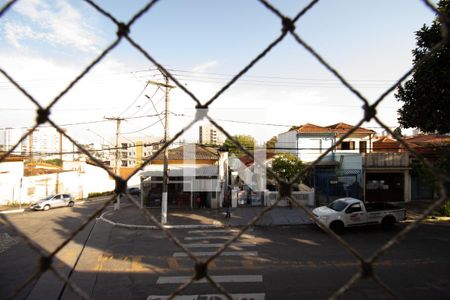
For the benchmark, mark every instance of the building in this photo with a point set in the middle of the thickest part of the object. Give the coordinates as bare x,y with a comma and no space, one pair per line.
339,172
11,174
10,136
210,135
309,141
132,151
47,143
389,172
193,171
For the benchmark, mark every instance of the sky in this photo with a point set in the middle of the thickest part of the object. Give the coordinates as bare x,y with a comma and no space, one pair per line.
45,44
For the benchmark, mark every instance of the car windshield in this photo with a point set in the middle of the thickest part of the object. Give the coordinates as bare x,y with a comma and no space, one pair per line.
337,205
48,197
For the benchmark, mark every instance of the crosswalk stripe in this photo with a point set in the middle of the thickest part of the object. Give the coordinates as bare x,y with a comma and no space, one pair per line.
217,278
218,237
212,237
213,230
218,245
225,253
256,296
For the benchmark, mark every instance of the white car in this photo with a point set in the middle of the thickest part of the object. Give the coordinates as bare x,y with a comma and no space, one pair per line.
52,201
349,212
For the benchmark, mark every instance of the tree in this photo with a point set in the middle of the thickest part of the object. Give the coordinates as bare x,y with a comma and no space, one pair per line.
270,144
426,96
398,131
245,140
439,156
287,166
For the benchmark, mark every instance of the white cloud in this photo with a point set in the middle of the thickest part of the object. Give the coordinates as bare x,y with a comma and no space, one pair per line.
57,23
206,66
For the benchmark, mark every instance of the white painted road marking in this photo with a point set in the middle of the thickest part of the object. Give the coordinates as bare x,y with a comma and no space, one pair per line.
218,278
218,245
218,237
240,253
214,230
259,296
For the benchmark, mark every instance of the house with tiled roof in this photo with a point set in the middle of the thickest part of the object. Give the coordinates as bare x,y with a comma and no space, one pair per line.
309,141
339,172
389,173
194,170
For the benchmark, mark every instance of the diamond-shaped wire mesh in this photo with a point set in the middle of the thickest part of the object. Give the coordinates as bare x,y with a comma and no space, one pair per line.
200,271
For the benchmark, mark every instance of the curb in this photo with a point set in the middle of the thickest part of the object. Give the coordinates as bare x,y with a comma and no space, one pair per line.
154,227
12,211
15,211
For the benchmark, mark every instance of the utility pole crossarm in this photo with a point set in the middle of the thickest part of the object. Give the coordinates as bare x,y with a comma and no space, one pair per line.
166,85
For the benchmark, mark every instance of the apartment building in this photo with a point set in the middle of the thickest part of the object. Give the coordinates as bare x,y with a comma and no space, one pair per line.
210,135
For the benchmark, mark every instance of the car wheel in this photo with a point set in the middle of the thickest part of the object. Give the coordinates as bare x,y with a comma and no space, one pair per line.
71,204
337,226
388,223
47,207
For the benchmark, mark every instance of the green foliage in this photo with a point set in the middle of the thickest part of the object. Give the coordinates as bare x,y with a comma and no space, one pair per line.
287,166
444,210
270,144
439,156
98,194
245,140
56,162
426,96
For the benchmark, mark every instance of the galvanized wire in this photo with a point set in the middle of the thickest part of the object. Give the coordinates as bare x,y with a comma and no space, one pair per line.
200,270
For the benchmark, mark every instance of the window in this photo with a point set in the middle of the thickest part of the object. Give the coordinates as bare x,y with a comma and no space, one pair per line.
353,208
347,145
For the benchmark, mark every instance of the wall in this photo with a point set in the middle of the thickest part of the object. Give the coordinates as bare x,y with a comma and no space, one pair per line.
311,147
287,142
10,175
18,189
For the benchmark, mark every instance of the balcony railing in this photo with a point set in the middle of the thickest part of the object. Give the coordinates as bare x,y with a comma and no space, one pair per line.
386,160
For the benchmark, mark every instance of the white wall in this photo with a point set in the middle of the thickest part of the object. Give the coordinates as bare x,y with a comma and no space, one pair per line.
287,142
19,189
310,147
10,175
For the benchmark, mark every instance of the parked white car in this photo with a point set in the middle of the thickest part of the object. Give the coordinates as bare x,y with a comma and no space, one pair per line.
348,212
52,201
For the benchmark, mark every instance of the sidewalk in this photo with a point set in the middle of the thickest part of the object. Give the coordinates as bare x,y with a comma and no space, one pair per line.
130,216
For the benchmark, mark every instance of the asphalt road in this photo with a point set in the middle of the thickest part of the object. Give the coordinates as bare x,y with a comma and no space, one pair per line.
47,229
267,263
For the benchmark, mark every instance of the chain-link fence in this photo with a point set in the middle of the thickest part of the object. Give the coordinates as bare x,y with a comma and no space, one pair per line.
287,26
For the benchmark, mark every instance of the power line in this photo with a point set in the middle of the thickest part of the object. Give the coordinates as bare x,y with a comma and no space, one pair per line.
142,129
261,123
154,107
190,75
82,123
228,75
141,107
233,147
134,101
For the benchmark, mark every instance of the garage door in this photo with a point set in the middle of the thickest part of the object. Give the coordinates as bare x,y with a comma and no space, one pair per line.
384,187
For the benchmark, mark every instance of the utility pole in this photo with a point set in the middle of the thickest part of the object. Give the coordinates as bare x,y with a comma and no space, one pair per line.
117,157
166,150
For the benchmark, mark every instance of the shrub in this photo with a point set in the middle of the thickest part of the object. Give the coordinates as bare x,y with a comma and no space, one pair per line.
98,194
